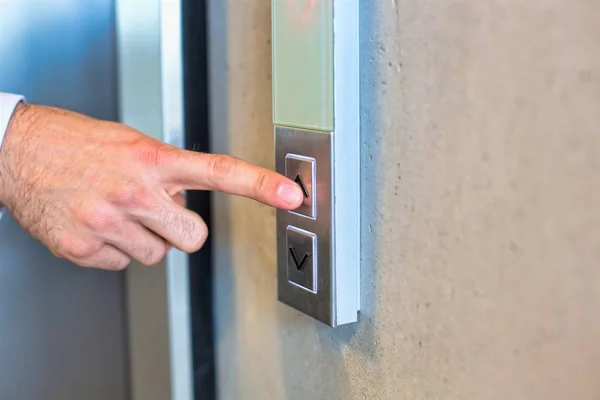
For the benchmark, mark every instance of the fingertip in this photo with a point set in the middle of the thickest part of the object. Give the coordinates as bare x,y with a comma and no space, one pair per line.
290,195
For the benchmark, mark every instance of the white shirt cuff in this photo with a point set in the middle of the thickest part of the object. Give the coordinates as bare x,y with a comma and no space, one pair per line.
8,103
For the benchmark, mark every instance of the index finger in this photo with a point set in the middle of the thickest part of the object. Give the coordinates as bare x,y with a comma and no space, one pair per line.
202,171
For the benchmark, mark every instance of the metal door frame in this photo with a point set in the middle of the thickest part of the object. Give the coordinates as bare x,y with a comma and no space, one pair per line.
163,92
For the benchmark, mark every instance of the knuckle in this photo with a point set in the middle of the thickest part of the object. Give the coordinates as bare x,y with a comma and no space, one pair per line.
119,265
147,153
176,222
134,194
262,182
191,232
80,249
154,153
101,221
168,156
122,264
196,237
152,255
222,167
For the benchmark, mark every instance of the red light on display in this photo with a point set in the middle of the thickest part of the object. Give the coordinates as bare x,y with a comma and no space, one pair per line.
308,10
301,10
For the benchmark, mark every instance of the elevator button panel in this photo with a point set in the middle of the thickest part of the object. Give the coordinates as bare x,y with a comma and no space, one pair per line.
302,170
316,115
301,258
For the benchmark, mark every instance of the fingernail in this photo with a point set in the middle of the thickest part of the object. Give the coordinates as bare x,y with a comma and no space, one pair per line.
291,194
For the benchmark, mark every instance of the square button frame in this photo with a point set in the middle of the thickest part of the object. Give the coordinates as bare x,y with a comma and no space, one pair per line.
305,244
298,165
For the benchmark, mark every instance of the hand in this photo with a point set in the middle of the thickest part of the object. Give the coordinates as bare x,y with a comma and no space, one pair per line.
99,193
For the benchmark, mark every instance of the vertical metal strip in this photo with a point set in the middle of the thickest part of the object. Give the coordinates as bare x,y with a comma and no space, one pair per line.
151,100
178,295
346,158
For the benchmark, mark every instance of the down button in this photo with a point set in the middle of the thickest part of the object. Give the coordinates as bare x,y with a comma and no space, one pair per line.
302,258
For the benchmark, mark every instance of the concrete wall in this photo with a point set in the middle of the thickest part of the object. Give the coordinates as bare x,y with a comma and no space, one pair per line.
62,328
481,222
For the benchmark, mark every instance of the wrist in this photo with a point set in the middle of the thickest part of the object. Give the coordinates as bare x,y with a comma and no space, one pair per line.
16,125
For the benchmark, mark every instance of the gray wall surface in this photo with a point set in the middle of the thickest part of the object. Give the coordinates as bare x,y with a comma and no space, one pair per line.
62,328
481,224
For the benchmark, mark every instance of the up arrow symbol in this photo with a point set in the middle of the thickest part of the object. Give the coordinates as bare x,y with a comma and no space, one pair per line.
299,181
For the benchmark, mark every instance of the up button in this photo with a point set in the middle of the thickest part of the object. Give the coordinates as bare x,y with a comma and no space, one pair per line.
302,170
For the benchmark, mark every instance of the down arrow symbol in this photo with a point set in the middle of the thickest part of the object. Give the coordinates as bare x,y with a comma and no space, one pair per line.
299,264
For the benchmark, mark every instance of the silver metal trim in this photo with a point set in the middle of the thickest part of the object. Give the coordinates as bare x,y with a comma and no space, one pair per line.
346,158
149,40
178,293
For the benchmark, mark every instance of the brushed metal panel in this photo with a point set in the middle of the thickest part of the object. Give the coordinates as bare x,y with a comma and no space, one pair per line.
317,146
